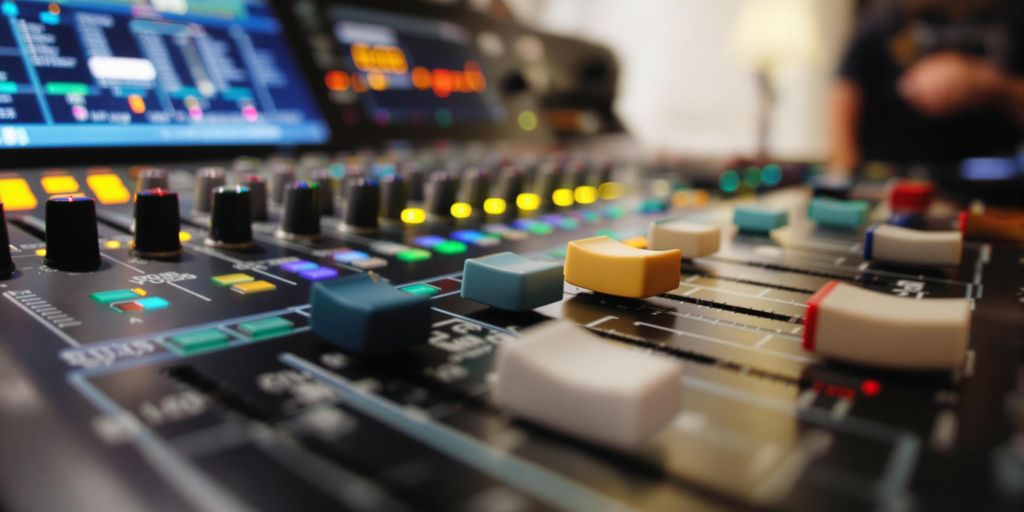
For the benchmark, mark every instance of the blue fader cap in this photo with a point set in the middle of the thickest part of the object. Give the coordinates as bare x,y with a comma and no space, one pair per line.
509,281
366,317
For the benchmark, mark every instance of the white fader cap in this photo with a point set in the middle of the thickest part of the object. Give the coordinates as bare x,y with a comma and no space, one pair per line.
692,239
895,244
851,324
563,377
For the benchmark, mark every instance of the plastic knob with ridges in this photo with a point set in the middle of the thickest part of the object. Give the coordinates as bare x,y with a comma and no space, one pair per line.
362,206
257,186
392,199
440,191
207,180
156,224
300,219
281,175
150,178
231,219
72,240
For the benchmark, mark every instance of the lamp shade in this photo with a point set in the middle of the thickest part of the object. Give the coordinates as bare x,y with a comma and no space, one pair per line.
773,33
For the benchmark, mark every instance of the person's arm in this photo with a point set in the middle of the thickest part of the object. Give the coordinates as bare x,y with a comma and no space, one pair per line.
846,110
948,83
1012,97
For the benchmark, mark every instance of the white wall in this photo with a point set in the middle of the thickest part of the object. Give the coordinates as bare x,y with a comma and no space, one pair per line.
680,91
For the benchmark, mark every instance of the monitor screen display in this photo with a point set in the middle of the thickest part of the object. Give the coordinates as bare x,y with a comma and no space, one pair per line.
123,73
409,71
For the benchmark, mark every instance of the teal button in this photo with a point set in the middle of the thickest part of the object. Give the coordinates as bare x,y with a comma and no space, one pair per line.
151,303
197,341
266,327
838,213
113,296
759,219
540,228
509,281
421,289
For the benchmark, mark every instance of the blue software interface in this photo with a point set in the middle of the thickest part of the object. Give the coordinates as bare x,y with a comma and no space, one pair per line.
150,73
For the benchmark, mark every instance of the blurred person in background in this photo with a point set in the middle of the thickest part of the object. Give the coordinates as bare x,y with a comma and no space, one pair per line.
930,81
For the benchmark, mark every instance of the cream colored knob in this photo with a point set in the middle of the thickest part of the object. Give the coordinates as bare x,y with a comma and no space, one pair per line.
693,240
896,244
566,378
851,324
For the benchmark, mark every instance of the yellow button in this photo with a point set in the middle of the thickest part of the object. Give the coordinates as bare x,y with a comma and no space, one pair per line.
253,287
16,195
108,188
231,279
639,242
614,268
59,184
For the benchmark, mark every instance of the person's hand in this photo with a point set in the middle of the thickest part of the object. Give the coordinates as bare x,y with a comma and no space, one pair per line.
949,83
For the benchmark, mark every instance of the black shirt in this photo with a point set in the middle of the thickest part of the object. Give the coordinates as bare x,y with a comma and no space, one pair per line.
888,44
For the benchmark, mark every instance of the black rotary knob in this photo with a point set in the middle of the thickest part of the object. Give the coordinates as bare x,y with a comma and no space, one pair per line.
509,186
415,185
6,263
207,180
231,219
476,183
547,180
156,224
72,242
362,206
577,174
257,186
281,174
325,184
151,177
392,199
440,196
301,217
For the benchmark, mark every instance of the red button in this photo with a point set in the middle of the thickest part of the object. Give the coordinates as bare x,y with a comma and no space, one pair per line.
911,196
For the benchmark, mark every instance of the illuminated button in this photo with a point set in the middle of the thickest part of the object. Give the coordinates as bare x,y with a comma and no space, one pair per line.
450,247
297,266
108,297
108,188
59,184
318,274
231,279
152,303
759,219
128,307
350,256
607,266
565,378
466,235
540,228
364,316
428,241
388,248
908,196
413,216
370,263
910,246
614,235
266,327
639,242
413,255
509,281
693,240
16,194
253,287
198,341
855,325
421,289
839,213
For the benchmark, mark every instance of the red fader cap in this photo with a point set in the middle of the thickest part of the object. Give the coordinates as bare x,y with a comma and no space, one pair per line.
909,196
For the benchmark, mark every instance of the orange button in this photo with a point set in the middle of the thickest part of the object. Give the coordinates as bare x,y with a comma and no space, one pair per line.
108,188
16,194
59,184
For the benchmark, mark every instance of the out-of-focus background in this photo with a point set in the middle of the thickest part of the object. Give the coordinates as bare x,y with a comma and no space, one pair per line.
687,82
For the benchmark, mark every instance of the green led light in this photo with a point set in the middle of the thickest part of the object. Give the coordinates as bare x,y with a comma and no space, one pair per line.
752,177
421,289
66,88
614,212
729,181
608,233
413,255
540,228
771,175
450,247
198,341
266,327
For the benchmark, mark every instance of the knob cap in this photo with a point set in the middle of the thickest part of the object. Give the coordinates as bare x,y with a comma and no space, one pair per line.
257,186
207,179
440,196
576,175
393,197
301,218
415,185
281,175
476,183
72,242
509,186
6,263
156,224
548,179
231,220
152,177
362,206
325,184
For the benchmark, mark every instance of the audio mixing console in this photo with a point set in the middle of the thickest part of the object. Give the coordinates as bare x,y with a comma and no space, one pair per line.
498,326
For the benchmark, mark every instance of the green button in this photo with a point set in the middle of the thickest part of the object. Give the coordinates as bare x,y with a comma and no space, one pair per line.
450,247
608,233
614,212
197,341
266,327
421,289
413,255
113,296
557,253
540,228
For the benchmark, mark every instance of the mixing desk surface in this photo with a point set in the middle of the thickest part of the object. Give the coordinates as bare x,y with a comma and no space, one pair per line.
492,326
